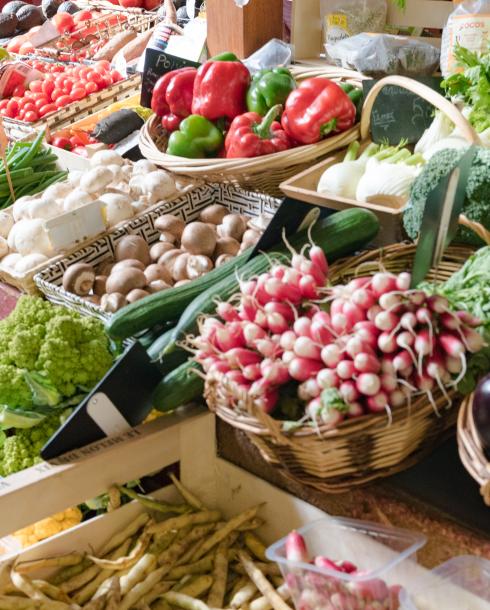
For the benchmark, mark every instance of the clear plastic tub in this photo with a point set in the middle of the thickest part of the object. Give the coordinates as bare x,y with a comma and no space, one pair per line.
462,583
379,553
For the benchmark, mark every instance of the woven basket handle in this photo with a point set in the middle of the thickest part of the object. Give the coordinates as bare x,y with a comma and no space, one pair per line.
428,94
476,227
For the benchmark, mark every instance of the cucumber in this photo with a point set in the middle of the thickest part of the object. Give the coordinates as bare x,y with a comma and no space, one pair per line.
178,388
340,234
167,306
169,362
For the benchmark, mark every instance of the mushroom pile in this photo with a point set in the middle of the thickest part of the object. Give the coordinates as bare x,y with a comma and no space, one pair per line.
125,189
183,253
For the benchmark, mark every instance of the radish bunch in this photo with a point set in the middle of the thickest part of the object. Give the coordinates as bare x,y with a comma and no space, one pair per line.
378,345
350,591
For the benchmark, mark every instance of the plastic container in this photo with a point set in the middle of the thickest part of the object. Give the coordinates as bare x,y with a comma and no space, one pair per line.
378,552
462,583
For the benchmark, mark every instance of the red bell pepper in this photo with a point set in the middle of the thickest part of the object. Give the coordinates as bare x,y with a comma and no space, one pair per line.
172,97
251,135
220,89
315,109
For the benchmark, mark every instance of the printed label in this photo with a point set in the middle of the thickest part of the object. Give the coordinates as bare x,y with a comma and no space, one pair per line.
471,32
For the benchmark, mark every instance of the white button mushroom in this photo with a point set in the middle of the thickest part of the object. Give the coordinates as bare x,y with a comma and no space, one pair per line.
157,186
8,262
74,178
96,179
59,190
117,207
26,263
44,208
31,238
143,166
20,208
6,223
4,247
106,157
76,199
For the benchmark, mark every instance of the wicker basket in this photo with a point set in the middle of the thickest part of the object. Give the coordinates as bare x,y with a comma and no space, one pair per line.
359,450
262,174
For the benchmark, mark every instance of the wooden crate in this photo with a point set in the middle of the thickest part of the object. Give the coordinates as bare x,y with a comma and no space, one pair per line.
306,25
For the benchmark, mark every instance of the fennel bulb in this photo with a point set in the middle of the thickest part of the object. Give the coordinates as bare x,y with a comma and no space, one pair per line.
452,141
386,179
440,128
341,179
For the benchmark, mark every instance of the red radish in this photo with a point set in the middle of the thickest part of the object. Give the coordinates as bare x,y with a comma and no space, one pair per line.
292,277
423,315
260,318
345,369
337,306
473,340
277,323
327,378
308,287
302,327
438,304
389,382
367,332
403,281
468,318
424,344
288,356
386,321
320,333
240,357
348,391
327,416
387,364
267,348
218,368
450,321
359,282
229,337
387,343
248,308
253,332
363,297
308,389
355,345
390,301
288,340
406,372
328,564
278,271
408,321
397,398
283,308
248,287
416,297
227,312
402,360
451,345
383,282
235,377
340,323
274,371
373,312
378,403
275,288
268,401
353,313
374,589
305,348
296,548
252,372
302,369
309,268
355,410
424,382
366,363
453,365
368,384
318,258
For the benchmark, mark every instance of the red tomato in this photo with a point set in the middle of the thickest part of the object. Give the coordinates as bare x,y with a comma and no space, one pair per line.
77,93
116,76
29,107
83,15
63,100
48,87
59,82
36,85
61,142
6,112
102,66
40,102
82,73
47,109
31,116
37,96
107,80
56,94
18,91
76,141
3,104
63,22
91,87
13,106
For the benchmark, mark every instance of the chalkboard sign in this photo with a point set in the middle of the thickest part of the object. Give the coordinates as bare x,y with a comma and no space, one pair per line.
398,113
158,63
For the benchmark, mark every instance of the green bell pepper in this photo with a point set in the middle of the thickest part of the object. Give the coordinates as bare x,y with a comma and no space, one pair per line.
269,88
197,138
356,96
226,56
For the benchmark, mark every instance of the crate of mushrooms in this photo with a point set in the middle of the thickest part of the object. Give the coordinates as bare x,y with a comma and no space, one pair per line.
168,246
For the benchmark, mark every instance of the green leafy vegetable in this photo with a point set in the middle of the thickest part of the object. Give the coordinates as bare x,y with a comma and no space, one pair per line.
18,418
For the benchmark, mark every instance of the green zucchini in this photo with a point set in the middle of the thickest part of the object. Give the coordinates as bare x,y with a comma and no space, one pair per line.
178,388
168,305
339,234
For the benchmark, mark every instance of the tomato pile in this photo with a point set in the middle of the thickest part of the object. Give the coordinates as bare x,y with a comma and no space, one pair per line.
73,140
60,86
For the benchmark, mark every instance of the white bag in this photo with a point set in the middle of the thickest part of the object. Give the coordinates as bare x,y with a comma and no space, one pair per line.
345,18
468,25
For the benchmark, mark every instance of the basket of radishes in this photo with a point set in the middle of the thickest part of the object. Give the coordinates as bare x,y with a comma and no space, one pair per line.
341,375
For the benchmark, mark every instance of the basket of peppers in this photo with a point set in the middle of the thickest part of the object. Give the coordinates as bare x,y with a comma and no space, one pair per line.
221,124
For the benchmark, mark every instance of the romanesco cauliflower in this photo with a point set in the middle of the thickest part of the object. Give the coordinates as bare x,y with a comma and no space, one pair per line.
68,349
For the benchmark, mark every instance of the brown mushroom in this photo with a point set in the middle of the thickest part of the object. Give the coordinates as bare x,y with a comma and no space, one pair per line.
168,259
136,294
93,298
170,224
105,268
226,245
133,246
110,303
99,285
197,265
179,267
126,264
167,238
157,272
213,214
233,225
158,286
159,249
79,279
250,238
125,280
199,238
181,283
222,259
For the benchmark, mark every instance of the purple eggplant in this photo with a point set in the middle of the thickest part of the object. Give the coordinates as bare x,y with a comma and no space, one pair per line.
481,413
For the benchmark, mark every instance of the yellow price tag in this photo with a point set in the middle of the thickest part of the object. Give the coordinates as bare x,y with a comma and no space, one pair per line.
336,20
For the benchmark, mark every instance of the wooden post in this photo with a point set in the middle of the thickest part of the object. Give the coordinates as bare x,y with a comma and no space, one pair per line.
242,30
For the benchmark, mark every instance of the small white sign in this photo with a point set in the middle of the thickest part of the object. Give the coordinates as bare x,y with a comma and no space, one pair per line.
191,45
72,228
106,415
45,33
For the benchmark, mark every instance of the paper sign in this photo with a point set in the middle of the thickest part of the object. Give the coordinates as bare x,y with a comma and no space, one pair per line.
67,230
191,45
46,33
